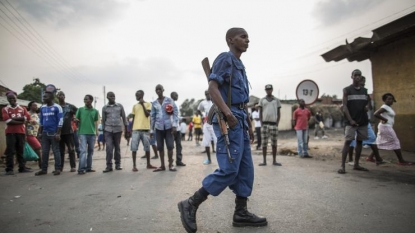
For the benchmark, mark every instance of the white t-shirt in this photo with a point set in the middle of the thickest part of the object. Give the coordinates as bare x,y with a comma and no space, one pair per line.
205,106
389,114
183,127
257,122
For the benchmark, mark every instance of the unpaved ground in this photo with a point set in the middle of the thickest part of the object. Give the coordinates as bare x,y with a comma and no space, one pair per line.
326,149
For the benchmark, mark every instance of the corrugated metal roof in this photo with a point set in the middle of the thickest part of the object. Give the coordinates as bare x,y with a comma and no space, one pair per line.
361,48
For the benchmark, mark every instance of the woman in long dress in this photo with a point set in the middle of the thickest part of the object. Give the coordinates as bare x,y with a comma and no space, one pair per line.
387,139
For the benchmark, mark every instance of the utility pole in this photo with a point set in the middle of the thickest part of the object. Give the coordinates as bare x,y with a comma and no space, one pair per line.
104,96
95,101
37,81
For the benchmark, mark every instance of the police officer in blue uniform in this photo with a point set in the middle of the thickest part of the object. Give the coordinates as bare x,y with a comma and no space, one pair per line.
238,175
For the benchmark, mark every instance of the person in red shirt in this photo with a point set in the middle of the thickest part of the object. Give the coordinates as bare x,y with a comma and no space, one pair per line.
15,117
190,137
301,117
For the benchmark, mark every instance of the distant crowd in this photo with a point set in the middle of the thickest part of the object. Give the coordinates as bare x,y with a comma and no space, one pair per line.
62,127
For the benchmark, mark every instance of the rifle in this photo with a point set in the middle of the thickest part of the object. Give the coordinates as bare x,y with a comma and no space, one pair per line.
214,110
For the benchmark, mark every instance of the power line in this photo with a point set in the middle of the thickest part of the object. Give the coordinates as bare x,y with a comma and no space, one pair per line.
356,31
313,53
312,71
34,51
46,44
31,41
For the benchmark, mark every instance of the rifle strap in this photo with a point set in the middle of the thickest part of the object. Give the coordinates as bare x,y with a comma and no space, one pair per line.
229,103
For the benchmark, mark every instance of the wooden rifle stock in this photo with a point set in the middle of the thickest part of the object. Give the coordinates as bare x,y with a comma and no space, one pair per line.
214,110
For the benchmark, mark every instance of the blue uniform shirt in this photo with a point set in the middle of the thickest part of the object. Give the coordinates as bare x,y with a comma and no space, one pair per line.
225,65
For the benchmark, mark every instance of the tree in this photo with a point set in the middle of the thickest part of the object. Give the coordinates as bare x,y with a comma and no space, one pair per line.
186,109
32,91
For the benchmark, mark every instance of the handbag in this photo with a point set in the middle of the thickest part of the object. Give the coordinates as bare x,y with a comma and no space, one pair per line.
321,124
28,153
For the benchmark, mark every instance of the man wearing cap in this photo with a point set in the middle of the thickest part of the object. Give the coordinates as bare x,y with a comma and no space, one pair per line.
15,118
355,102
51,122
269,116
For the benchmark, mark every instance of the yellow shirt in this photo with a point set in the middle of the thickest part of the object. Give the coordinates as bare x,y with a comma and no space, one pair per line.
197,121
141,122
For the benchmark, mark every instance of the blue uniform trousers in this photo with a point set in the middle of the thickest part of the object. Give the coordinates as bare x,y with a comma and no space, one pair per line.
238,175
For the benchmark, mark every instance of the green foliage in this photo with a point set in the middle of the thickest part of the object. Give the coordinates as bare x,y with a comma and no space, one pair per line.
186,109
32,91
189,107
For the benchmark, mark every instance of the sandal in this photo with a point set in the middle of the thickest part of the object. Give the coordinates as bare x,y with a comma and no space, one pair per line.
159,169
172,169
276,164
359,168
135,169
151,167
341,171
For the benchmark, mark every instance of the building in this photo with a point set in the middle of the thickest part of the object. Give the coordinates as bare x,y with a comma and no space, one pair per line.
391,50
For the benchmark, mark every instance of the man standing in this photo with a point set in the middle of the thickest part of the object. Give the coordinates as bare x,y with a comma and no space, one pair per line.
140,129
15,118
255,116
228,72
163,120
355,102
319,126
269,115
51,122
301,116
208,133
67,137
113,123
88,124
178,135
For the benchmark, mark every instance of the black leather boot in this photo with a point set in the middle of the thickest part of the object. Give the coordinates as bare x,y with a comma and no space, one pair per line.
242,217
187,209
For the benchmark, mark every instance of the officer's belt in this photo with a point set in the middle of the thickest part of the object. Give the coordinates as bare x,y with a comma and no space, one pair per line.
240,105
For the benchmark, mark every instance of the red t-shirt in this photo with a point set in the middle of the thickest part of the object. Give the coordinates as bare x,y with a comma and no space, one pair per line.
301,117
9,112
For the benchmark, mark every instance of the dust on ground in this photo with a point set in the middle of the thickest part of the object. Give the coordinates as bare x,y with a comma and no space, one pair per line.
325,149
